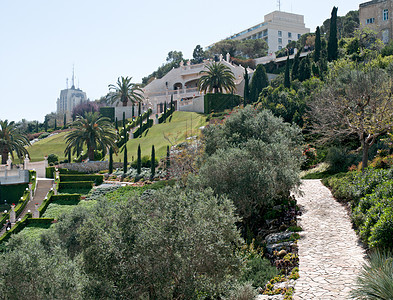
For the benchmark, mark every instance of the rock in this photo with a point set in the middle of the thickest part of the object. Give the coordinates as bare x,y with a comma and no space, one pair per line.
287,246
276,237
282,253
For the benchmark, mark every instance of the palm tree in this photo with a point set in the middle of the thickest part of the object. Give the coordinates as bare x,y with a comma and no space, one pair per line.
11,139
94,131
217,78
125,91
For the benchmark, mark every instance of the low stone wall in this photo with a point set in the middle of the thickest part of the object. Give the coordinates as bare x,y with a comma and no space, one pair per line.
91,166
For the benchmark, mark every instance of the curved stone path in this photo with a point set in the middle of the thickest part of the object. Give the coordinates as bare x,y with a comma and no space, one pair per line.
330,255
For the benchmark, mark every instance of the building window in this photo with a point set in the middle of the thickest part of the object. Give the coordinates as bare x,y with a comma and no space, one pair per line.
279,47
370,21
289,34
280,40
385,14
298,36
280,33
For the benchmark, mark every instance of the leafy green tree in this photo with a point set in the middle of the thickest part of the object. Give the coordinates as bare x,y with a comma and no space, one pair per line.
125,91
139,160
317,51
153,162
258,82
355,100
246,94
198,55
216,78
333,42
46,124
253,48
174,56
93,131
287,78
223,47
254,158
12,140
186,242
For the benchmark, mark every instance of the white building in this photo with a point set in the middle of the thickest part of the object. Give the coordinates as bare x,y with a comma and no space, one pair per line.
69,98
278,29
181,84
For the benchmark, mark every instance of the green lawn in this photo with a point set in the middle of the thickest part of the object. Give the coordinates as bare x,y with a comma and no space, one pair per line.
175,129
54,144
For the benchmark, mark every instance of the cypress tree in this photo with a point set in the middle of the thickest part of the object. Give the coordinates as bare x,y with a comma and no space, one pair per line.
317,51
133,110
36,126
287,79
172,102
124,120
140,109
55,124
65,121
333,42
140,125
168,161
116,126
246,95
46,124
139,161
258,82
69,156
153,162
110,160
125,163
304,69
295,66
165,113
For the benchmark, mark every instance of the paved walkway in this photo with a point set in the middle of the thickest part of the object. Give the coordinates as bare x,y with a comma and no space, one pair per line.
329,253
43,187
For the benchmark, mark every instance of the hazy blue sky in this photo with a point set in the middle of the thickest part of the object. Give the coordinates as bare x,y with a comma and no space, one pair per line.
41,40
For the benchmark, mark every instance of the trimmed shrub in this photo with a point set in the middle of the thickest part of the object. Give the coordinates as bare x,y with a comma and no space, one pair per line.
98,179
220,102
76,185
108,112
12,193
18,227
53,158
49,172
145,126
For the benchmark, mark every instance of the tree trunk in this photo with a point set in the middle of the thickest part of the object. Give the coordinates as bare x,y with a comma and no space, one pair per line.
124,103
91,153
365,147
4,156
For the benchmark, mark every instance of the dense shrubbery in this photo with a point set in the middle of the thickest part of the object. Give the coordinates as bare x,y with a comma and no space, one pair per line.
371,197
254,158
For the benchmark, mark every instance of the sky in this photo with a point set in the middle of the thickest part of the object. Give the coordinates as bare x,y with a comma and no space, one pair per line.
41,41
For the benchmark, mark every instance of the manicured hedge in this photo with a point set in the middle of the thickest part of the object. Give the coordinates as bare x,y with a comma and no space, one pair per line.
16,228
163,116
108,112
12,193
220,102
49,172
145,126
76,185
52,198
22,203
98,179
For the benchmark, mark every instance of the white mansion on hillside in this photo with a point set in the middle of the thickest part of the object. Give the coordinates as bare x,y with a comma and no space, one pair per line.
182,84
278,29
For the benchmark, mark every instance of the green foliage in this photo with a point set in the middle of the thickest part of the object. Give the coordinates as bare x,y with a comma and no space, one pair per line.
333,42
12,193
287,78
108,112
254,158
339,160
258,82
145,126
125,91
139,160
12,141
317,51
75,185
220,102
258,271
242,49
163,232
375,280
217,78
153,162
53,158
198,55
98,179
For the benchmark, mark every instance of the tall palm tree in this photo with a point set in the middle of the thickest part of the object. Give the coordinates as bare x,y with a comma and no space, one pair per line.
12,140
92,130
125,91
216,78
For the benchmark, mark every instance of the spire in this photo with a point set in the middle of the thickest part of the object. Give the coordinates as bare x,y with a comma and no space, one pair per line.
73,78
